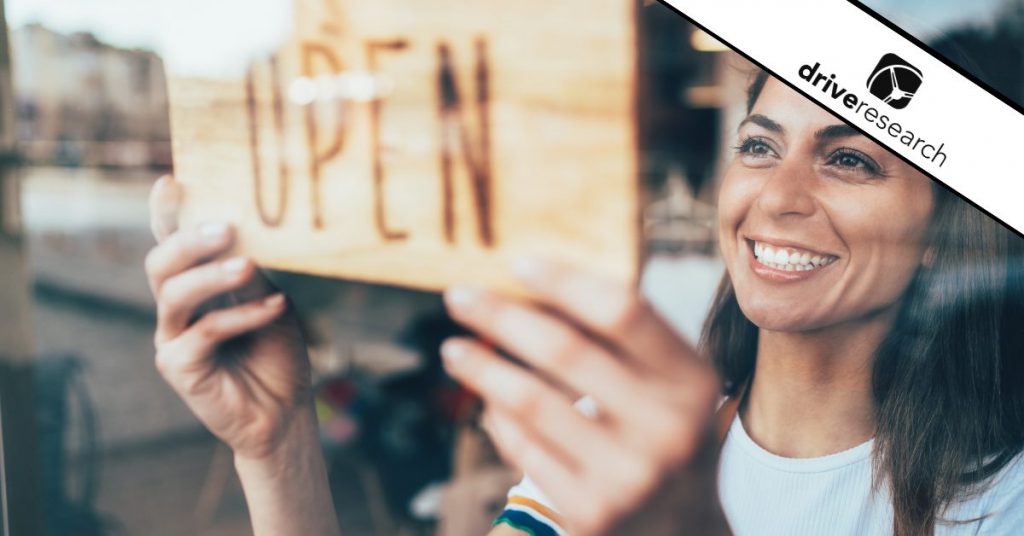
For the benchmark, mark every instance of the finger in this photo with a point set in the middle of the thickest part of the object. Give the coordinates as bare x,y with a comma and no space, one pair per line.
514,443
183,250
547,413
545,342
636,409
256,287
164,206
185,292
190,353
566,488
612,310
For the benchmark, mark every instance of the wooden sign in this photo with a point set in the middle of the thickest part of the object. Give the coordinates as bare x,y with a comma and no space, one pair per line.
421,142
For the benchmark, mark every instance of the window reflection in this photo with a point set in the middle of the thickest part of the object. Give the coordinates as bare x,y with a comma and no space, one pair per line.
121,454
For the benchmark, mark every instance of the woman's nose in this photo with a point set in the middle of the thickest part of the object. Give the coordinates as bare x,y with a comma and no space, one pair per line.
788,191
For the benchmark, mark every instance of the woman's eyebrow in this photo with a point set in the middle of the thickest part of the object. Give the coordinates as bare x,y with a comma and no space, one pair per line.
763,121
836,131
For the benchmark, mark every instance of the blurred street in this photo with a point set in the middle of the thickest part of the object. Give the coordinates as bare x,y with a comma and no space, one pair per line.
86,227
160,472
87,234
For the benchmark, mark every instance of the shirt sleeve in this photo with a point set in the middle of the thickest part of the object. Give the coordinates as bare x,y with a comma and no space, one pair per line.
528,509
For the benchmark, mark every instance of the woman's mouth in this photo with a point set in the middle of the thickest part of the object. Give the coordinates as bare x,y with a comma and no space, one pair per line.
785,263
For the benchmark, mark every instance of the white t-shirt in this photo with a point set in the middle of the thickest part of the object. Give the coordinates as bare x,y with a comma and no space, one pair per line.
763,494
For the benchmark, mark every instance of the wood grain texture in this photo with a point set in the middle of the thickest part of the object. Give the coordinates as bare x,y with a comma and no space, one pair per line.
507,128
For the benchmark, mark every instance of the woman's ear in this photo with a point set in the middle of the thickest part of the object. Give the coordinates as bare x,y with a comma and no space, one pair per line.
929,257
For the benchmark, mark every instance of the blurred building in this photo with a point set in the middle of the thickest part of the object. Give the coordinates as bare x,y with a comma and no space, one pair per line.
85,103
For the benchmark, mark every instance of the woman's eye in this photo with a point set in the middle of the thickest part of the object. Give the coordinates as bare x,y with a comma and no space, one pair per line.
848,160
755,147
853,160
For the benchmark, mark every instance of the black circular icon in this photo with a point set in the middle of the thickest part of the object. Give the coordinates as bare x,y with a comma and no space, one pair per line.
894,81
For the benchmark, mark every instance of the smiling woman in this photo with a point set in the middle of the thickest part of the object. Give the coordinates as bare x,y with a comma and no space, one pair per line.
865,331
912,316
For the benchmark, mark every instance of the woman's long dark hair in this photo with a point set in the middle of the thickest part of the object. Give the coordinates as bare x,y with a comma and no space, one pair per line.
948,379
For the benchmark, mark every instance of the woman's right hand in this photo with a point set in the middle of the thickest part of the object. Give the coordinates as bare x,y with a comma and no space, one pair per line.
225,341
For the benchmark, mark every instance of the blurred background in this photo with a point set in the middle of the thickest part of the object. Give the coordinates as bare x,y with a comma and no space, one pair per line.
93,440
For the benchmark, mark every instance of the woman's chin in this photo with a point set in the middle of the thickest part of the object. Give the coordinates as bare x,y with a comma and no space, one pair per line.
778,317
774,324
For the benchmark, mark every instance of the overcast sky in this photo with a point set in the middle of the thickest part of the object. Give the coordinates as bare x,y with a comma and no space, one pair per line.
205,36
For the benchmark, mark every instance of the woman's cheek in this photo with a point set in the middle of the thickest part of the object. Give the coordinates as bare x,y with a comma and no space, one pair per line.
885,238
735,197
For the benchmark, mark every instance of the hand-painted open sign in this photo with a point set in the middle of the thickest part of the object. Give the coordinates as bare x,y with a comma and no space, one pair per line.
417,142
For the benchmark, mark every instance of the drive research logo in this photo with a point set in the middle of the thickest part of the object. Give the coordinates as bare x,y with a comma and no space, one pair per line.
893,87
894,81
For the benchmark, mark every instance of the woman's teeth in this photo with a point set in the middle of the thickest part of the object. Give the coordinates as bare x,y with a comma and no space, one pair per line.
790,259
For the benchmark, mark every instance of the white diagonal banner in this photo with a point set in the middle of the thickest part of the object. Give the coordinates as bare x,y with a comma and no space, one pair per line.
886,86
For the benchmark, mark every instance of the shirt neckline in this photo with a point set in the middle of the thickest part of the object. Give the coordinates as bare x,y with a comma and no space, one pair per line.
829,462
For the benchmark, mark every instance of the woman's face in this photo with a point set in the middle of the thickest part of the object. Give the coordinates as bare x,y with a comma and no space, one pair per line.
818,224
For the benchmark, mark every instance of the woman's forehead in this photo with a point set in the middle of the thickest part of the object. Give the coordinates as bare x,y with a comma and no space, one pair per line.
790,109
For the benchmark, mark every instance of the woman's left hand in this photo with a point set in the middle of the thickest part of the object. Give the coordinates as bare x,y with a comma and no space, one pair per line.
647,462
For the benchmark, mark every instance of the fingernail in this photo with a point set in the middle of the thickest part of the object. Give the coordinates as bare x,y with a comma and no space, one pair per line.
274,301
234,265
453,351
169,190
529,268
462,297
213,231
